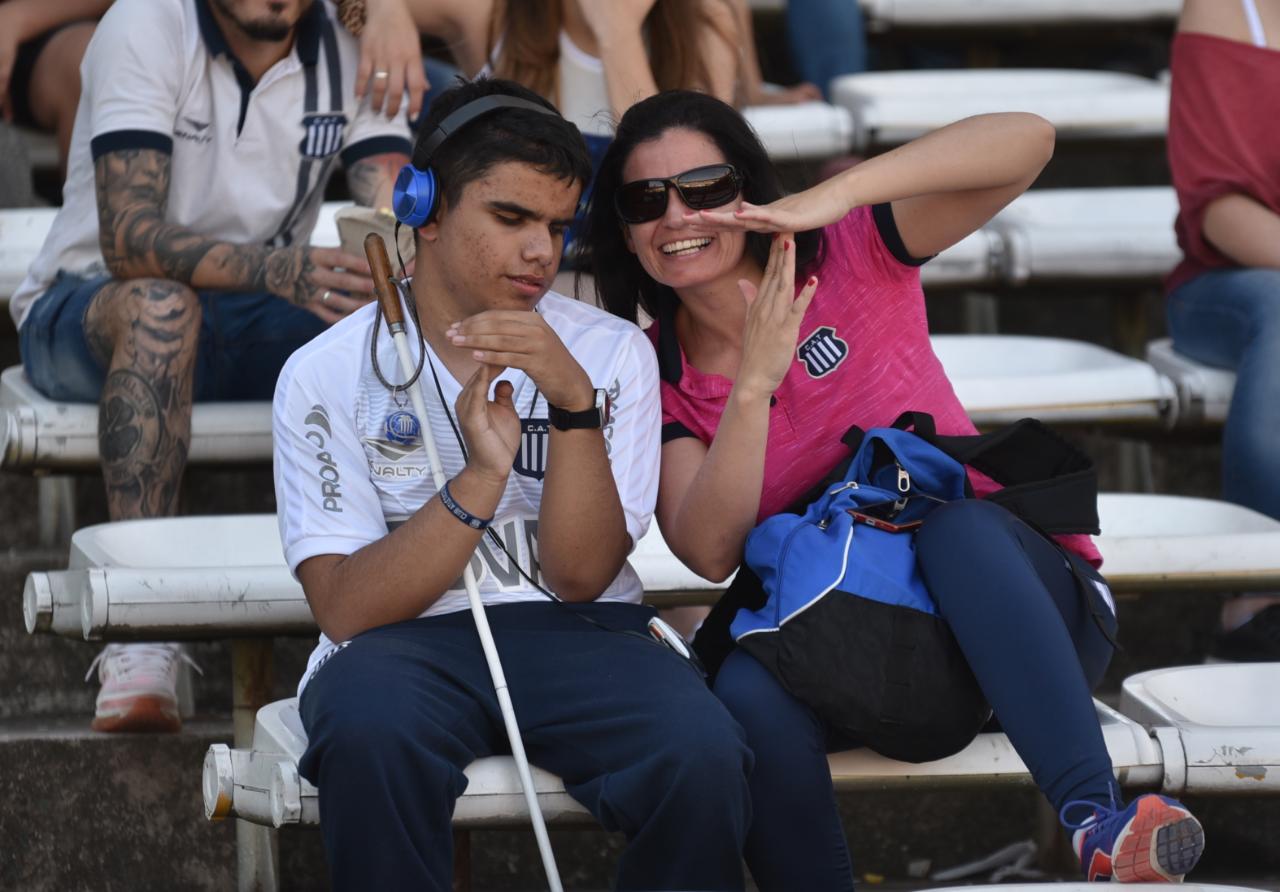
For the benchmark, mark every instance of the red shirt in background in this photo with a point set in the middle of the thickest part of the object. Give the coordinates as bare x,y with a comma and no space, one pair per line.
1224,137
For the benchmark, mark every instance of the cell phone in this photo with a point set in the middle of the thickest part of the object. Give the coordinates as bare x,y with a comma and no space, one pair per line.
355,222
891,516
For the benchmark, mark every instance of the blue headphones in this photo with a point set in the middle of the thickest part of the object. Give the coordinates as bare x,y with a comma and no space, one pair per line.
417,191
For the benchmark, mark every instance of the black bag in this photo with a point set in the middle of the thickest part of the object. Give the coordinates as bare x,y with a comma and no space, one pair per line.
883,675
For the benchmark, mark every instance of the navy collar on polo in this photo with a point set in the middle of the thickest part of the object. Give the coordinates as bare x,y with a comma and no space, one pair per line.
306,39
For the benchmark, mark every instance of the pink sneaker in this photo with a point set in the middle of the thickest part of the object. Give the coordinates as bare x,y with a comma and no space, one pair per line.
139,687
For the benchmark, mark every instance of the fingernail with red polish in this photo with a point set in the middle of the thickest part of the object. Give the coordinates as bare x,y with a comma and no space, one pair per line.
813,280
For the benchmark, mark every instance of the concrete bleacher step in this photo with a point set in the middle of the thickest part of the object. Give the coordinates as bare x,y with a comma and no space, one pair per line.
95,811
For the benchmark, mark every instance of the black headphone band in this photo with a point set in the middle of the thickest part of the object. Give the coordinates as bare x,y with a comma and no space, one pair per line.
456,120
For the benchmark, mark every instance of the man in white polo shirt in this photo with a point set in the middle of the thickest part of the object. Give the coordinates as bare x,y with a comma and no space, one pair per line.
179,267
556,402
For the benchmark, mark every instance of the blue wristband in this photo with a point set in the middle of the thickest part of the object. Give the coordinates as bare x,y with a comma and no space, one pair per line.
476,523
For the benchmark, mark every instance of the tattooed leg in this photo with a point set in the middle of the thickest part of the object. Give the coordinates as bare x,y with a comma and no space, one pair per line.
145,331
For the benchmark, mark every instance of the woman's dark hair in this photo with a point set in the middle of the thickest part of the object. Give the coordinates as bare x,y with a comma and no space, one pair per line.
621,283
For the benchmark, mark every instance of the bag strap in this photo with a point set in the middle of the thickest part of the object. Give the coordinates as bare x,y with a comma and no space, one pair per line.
1046,478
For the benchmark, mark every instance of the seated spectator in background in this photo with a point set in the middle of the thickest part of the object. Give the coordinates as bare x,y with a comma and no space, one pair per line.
827,39
397,699
751,423
1224,298
751,85
41,45
592,58
178,268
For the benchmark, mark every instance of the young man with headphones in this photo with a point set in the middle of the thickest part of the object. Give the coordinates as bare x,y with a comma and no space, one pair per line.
178,268
545,411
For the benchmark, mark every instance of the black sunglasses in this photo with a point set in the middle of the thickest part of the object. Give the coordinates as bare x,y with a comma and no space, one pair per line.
700,189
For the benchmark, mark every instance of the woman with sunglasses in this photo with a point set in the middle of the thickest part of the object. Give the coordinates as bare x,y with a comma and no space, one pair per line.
778,323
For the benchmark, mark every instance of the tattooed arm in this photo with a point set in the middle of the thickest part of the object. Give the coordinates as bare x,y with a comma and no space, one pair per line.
138,243
370,179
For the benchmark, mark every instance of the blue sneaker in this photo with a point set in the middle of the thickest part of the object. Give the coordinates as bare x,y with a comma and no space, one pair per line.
1154,840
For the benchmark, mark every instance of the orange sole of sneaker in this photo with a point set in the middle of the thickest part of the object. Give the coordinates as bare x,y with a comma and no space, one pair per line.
146,715
1162,844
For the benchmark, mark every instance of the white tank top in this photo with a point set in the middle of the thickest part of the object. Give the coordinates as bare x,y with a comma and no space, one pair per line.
584,96
1250,13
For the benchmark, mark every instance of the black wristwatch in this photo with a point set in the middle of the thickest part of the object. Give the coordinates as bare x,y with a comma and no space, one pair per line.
594,418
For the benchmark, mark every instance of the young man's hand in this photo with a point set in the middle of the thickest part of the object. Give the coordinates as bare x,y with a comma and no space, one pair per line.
523,340
491,428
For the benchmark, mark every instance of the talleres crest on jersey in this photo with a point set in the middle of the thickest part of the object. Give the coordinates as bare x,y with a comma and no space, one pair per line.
822,352
322,134
531,457
402,427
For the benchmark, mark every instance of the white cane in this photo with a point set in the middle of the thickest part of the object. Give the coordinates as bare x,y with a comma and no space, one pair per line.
388,297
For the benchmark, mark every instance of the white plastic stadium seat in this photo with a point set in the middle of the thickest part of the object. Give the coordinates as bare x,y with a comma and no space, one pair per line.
223,576
1218,725
22,232
803,131
1160,542
1204,392
974,260
892,107
263,786
37,432
1001,378
211,577
1119,233
887,13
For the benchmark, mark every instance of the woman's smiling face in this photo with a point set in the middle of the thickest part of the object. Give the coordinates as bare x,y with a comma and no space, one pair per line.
677,253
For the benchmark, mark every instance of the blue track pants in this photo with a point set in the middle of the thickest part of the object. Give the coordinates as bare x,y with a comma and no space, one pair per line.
395,716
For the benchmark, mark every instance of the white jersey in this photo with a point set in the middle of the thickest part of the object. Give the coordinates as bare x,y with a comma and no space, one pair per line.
350,467
248,161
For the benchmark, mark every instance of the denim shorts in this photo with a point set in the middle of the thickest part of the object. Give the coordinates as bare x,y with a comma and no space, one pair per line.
245,339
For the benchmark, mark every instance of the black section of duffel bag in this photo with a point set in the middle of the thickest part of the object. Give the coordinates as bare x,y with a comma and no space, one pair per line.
891,678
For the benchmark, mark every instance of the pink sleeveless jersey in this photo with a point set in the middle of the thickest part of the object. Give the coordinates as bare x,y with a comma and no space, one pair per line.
863,358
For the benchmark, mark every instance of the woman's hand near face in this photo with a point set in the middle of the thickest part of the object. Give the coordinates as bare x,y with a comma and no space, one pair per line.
774,314
813,208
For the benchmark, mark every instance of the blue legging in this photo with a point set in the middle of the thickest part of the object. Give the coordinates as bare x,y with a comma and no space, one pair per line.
1033,644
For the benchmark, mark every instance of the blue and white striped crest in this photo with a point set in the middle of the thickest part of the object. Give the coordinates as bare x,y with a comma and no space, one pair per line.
402,427
822,352
531,459
323,134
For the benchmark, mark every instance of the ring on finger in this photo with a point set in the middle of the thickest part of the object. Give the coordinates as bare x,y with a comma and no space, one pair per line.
324,298
381,75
